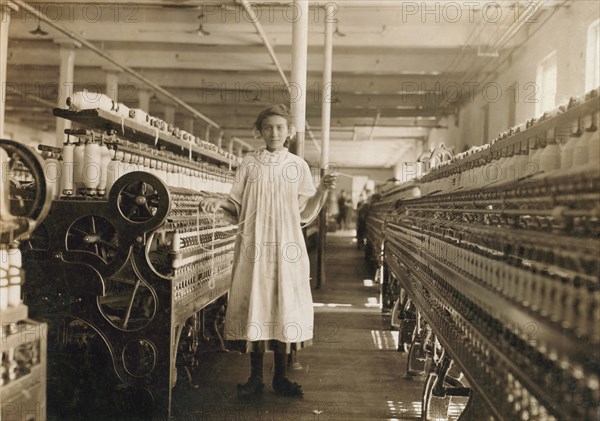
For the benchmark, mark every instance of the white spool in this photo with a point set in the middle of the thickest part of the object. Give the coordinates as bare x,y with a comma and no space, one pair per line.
66,178
78,156
535,160
105,160
92,167
84,100
127,166
550,158
122,110
594,148
113,170
582,150
14,277
567,153
52,172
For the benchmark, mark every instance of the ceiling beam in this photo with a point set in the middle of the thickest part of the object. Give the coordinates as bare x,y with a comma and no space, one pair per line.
165,56
91,77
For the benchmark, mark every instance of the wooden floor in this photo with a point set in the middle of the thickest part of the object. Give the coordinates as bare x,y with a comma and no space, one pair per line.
352,371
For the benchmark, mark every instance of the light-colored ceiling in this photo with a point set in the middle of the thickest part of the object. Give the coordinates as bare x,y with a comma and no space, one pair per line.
392,61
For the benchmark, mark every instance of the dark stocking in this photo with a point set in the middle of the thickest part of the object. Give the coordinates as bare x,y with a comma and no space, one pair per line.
256,364
280,365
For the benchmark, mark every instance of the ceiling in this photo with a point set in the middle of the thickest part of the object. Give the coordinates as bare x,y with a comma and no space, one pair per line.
392,63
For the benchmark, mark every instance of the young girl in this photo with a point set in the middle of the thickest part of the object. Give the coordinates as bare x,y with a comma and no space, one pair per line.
270,304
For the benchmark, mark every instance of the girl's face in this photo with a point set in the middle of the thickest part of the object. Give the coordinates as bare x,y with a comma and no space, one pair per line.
274,131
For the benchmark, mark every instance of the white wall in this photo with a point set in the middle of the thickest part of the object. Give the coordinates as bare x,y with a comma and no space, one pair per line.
28,135
565,32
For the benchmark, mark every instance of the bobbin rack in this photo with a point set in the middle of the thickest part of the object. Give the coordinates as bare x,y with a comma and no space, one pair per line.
24,203
130,275
494,273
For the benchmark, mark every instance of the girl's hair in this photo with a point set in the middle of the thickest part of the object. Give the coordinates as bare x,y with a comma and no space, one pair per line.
280,110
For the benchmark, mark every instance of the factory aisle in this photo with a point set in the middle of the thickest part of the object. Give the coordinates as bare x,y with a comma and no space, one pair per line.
352,371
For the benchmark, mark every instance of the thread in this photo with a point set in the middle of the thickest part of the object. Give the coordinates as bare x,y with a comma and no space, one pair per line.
3,277
14,276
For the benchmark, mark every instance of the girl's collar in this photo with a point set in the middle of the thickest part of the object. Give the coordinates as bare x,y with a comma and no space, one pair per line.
265,152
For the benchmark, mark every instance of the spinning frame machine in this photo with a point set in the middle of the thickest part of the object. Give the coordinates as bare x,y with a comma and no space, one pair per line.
494,271
132,260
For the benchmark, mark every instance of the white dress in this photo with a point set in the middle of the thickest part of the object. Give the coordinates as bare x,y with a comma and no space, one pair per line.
270,296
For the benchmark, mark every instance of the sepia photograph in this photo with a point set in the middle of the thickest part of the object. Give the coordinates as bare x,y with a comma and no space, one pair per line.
299,210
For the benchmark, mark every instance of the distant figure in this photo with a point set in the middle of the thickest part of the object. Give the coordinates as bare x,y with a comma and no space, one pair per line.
343,210
349,213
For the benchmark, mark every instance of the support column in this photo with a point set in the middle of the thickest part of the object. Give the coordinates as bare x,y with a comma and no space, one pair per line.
67,71
6,10
170,114
188,125
220,140
207,133
144,100
325,132
398,170
112,84
240,151
298,83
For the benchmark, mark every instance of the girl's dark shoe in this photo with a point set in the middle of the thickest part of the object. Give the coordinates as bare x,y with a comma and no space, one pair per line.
253,387
285,387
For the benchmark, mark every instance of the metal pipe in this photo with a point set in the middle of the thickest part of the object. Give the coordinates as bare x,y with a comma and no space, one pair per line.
107,57
325,134
241,142
375,121
255,20
5,9
299,59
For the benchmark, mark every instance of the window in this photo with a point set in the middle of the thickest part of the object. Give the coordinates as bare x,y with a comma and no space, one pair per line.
592,67
546,84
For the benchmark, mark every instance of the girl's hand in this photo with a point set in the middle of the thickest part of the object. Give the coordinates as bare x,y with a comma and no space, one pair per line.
328,182
210,205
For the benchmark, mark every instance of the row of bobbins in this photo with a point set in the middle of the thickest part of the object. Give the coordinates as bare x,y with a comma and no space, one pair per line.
574,146
10,297
90,168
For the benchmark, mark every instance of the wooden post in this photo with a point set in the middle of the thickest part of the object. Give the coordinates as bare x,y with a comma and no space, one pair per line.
325,132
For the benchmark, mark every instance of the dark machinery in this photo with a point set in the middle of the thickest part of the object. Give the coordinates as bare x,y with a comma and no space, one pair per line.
132,282
24,203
